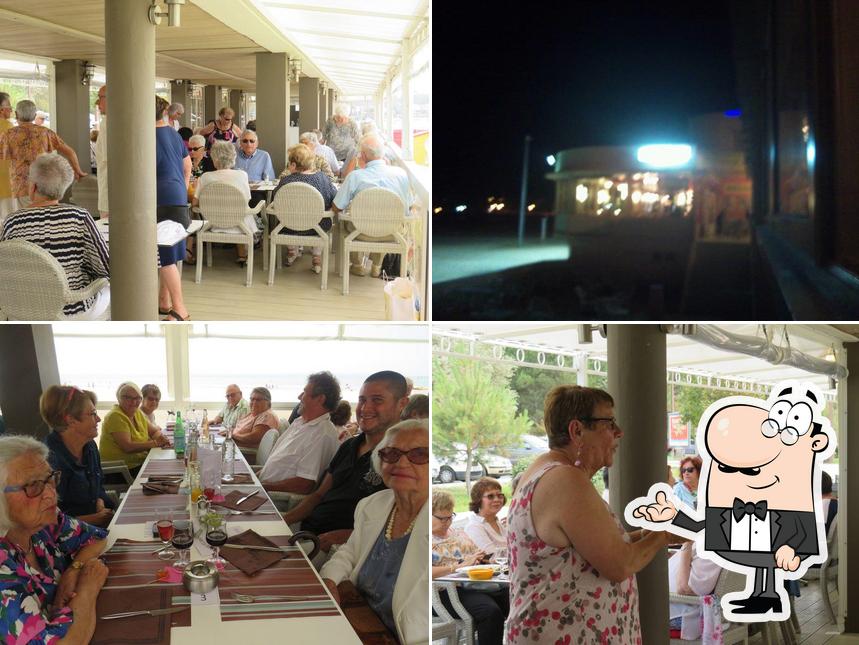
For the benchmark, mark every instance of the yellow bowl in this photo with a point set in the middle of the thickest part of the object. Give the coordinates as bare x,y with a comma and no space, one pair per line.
480,574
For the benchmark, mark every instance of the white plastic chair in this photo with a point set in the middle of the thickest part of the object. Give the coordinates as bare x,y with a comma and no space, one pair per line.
822,574
266,445
378,213
299,207
732,632
35,285
224,207
465,623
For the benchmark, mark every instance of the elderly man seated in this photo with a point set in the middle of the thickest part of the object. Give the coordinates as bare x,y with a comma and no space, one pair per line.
223,155
251,428
66,232
323,157
234,409
255,162
375,174
307,446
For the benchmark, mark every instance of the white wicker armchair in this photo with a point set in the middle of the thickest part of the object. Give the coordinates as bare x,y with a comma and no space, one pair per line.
225,210
299,207
35,286
464,624
377,213
731,632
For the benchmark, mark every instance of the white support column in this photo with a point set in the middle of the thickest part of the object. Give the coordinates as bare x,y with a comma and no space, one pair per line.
389,114
405,89
130,52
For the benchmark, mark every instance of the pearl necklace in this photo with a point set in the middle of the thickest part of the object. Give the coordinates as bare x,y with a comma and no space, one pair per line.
390,528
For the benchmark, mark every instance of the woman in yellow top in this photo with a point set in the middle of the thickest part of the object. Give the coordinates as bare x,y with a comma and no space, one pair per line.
7,204
126,433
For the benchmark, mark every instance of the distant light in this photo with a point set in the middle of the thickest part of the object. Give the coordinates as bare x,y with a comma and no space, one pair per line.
608,184
650,198
733,114
636,196
501,205
665,155
581,193
810,152
531,207
616,212
602,196
461,208
623,189
551,160
490,199
437,210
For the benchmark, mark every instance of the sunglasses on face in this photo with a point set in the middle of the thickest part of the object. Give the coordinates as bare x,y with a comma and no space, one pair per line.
418,456
36,488
197,148
687,470
249,140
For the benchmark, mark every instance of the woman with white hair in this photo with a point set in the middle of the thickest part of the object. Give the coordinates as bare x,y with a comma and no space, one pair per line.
223,156
126,434
386,556
201,162
50,574
341,132
66,232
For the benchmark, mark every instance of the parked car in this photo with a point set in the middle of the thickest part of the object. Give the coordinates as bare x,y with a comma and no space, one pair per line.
496,465
452,469
529,445
434,468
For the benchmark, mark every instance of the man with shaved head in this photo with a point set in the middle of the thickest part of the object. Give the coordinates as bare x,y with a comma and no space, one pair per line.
375,174
235,408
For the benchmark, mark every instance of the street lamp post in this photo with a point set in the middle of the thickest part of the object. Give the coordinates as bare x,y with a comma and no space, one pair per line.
523,198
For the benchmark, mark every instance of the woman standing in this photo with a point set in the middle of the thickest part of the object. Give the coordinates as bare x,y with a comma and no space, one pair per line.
484,527
572,566
222,129
386,555
126,434
686,489
71,414
173,173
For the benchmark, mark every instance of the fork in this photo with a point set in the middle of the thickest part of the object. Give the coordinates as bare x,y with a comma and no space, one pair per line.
232,512
243,597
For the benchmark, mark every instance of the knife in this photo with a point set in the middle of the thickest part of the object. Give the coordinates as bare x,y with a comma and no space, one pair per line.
146,612
277,549
246,497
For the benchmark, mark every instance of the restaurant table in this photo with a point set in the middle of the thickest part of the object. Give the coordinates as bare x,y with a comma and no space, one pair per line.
239,624
465,581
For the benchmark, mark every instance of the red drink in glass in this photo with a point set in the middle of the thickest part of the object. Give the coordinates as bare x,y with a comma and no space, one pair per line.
209,493
165,530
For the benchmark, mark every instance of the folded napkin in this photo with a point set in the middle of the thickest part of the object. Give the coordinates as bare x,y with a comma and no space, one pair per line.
240,478
362,618
142,630
164,478
250,561
159,488
250,504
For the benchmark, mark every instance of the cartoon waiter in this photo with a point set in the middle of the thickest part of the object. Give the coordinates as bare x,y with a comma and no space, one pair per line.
761,512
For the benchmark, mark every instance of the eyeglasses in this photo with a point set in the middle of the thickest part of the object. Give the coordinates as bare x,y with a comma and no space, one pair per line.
126,397
249,140
35,488
449,518
611,420
418,456
691,469
257,398
230,395
495,496
197,148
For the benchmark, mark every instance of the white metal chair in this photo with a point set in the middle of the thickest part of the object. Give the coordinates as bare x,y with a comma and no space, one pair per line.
732,632
299,207
464,624
225,212
34,284
266,445
282,500
822,574
120,467
377,213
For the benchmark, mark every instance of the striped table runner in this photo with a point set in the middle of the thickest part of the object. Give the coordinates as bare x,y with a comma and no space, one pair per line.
177,467
266,506
139,508
292,576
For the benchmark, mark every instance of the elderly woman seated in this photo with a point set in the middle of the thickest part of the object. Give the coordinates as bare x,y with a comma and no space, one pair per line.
224,158
484,528
71,415
151,400
690,575
452,550
301,169
385,557
126,434
323,157
66,232
250,429
50,574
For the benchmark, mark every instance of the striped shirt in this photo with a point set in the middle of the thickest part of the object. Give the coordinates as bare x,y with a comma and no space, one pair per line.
70,235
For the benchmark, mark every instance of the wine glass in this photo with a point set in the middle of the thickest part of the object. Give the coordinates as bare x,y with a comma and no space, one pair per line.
216,534
183,538
164,524
501,559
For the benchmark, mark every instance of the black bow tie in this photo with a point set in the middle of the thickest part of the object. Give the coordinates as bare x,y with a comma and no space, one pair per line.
741,508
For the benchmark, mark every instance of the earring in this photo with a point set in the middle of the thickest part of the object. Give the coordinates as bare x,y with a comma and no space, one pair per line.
578,462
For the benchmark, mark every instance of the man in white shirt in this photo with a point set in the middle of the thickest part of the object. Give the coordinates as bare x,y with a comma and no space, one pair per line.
101,153
304,451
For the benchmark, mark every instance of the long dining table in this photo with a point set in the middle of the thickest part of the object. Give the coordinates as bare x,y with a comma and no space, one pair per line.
215,617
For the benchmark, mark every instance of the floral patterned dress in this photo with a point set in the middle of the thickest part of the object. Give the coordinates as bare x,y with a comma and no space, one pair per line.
26,593
556,596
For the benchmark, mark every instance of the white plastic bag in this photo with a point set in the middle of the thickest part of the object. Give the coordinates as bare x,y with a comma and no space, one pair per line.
401,300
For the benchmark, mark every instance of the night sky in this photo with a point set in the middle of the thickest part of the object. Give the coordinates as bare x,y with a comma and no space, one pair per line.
570,74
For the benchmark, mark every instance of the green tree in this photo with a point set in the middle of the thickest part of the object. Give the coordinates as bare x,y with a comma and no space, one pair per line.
532,385
473,405
691,402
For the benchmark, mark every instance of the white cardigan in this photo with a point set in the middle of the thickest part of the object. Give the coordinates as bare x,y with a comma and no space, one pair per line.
411,591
